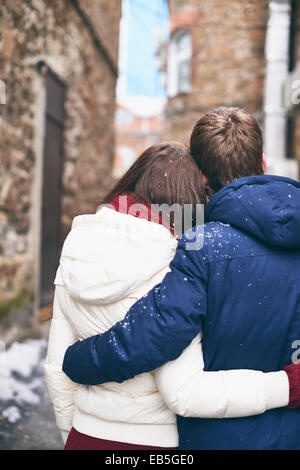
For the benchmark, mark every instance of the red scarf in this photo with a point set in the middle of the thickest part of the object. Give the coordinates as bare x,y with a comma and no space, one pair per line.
124,202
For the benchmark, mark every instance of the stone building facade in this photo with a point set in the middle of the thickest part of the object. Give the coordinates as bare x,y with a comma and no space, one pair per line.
58,64
236,53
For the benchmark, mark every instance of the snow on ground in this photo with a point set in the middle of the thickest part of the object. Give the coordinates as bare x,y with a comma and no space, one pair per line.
26,413
17,367
12,413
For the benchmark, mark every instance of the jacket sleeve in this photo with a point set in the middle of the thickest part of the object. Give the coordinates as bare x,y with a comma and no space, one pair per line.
60,388
189,391
155,330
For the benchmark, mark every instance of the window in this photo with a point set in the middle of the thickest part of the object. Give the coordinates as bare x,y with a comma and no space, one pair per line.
179,66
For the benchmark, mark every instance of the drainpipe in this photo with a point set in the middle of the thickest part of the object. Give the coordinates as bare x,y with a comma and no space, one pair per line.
277,69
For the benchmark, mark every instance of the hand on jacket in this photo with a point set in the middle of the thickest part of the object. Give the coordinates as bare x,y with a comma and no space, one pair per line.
293,373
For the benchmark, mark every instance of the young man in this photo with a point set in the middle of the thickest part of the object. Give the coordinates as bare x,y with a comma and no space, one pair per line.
241,288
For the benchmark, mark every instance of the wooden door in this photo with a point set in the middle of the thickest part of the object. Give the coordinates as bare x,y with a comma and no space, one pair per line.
52,185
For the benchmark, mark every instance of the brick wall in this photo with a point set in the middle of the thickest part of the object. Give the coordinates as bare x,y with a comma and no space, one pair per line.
135,133
228,64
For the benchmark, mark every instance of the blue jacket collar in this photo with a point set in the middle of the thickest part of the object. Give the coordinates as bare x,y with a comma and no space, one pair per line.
266,207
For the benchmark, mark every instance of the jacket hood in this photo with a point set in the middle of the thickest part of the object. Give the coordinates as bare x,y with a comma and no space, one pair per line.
109,255
266,207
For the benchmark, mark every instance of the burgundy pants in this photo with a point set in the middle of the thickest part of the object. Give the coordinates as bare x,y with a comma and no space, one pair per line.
78,441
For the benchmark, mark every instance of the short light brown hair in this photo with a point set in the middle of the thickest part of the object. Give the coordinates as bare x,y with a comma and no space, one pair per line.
226,144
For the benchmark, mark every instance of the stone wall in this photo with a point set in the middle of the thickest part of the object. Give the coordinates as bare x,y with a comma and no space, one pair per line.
79,41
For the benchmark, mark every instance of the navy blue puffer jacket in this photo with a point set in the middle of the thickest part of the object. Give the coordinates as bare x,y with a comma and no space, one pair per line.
241,287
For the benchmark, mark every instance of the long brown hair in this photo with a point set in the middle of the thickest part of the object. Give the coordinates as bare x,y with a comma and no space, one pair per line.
164,173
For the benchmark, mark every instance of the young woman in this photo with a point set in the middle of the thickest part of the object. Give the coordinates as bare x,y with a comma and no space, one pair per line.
110,260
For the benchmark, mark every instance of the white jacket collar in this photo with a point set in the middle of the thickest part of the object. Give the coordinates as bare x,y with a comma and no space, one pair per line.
105,254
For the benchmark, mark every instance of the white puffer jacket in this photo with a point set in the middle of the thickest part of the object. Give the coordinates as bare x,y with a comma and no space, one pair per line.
109,261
